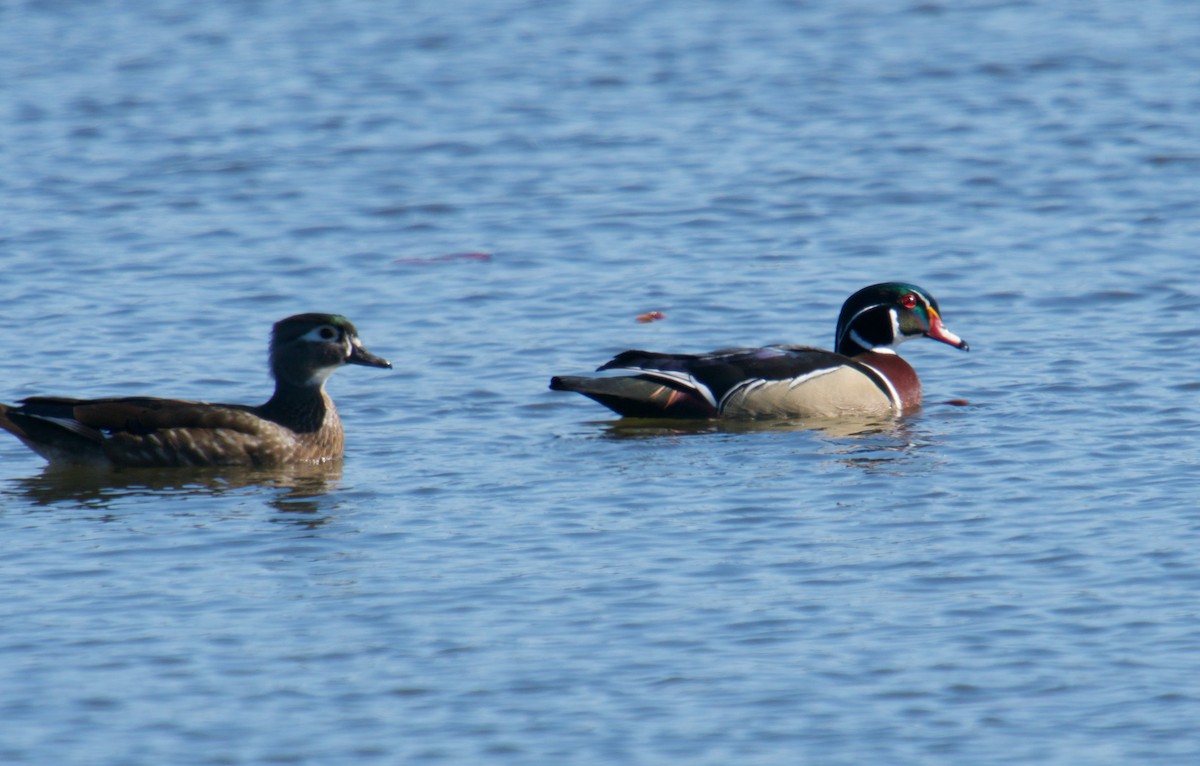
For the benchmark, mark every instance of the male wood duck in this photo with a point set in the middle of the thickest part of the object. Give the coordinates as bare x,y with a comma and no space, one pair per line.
299,424
863,376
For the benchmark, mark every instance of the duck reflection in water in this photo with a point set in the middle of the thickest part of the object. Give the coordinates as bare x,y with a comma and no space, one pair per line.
870,444
640,428
302,491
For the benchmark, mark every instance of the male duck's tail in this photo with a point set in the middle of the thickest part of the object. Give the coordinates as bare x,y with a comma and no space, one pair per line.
637,396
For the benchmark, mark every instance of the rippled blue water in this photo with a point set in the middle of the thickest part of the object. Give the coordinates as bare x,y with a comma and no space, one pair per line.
498,573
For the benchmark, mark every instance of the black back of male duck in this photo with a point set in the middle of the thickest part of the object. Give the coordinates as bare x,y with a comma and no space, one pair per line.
863,376
298,424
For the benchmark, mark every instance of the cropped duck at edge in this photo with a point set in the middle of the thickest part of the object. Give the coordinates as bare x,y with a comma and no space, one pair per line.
299,424
862,376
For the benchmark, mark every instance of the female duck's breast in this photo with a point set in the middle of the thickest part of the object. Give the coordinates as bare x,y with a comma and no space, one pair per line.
838,392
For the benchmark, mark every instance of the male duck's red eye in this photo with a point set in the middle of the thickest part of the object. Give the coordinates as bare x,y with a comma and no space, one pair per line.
908,300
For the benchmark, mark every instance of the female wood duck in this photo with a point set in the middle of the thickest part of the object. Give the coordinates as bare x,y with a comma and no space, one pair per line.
863,376
298,424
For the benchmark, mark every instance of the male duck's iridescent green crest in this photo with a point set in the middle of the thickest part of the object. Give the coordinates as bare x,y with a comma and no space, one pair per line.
862,377
298,424
885,315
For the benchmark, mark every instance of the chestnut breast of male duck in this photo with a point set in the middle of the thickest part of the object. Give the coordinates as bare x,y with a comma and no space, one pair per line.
863,376
299,423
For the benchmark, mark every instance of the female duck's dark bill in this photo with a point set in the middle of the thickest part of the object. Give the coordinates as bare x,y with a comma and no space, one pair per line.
359,355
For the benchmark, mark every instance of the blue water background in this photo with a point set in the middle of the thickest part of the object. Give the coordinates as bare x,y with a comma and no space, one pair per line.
498,574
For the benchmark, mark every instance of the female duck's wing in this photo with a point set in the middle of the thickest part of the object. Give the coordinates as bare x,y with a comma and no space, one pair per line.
136,430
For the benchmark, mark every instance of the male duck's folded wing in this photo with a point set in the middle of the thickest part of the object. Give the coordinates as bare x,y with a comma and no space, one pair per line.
719,372
652,384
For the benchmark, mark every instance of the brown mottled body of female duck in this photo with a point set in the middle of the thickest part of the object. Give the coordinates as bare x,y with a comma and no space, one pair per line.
298,424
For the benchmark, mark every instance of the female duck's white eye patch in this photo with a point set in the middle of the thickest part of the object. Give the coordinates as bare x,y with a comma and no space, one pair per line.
323,333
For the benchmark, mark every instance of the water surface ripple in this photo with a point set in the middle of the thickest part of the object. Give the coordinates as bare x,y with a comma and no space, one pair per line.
493,191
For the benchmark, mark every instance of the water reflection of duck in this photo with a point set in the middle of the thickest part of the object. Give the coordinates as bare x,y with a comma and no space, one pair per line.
299,489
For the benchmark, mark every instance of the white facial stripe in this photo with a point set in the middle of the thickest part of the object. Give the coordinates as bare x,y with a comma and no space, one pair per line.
854,336
895,317
323,334
851,322
862,311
